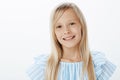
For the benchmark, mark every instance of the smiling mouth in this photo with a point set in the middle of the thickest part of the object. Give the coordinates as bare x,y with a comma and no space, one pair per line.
69,38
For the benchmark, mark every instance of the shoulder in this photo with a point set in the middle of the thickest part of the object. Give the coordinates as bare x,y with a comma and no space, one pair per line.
103,67
41,59
98,58
37,70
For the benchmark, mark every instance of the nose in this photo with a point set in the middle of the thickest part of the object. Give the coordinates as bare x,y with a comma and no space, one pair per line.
66,30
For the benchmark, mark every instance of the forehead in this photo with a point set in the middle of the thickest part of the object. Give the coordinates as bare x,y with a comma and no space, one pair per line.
68,15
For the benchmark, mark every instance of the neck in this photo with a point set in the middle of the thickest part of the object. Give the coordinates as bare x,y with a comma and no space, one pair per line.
71,54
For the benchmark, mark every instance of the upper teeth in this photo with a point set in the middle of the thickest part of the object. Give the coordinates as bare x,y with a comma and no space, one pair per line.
67,38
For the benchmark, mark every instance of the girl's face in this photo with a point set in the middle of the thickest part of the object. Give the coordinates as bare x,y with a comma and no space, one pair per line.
68,29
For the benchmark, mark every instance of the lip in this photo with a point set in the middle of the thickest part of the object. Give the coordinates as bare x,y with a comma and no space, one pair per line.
69,38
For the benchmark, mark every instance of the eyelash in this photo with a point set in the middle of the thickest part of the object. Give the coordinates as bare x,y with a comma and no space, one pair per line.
72,23
58,26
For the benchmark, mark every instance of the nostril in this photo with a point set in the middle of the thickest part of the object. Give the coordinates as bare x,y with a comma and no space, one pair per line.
66,32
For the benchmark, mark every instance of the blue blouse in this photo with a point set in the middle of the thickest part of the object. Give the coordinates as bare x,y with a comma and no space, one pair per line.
72,70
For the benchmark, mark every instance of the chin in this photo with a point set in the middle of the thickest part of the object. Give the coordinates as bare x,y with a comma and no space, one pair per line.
70,45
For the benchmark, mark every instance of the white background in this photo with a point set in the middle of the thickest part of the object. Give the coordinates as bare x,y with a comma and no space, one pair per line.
24,32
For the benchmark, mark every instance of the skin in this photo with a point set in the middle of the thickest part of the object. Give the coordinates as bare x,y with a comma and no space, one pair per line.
68,33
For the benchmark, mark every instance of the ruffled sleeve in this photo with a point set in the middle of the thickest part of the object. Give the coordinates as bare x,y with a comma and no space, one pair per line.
103,68
37,70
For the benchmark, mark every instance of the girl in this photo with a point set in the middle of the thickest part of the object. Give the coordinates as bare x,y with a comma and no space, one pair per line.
70,58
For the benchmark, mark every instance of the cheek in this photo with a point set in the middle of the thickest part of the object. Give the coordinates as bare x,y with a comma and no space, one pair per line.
78,31
57,35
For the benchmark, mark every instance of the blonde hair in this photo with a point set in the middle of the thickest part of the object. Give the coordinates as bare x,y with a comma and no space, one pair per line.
52,67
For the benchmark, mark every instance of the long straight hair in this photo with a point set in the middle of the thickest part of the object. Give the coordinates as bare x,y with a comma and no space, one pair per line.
52,67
